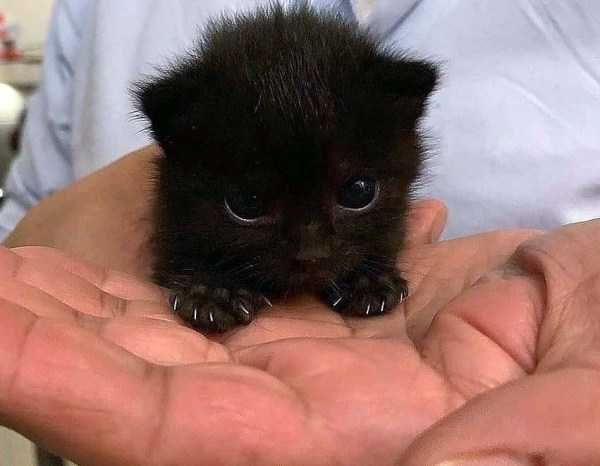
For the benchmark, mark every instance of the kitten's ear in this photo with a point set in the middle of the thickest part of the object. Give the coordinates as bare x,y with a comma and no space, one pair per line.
408,83
407,78
165,102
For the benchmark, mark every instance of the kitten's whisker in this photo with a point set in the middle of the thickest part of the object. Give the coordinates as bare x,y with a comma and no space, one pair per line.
334,284
242,268
379,260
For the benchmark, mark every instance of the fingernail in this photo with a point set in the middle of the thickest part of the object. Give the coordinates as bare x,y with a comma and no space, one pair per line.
490,460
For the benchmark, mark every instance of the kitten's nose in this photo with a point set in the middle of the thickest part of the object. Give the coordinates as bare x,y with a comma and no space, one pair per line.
313,245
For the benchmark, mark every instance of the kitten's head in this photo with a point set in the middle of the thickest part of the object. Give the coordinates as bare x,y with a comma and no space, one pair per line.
290,149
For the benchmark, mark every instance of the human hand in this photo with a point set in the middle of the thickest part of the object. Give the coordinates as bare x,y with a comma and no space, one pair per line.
95,367
104,217
532,334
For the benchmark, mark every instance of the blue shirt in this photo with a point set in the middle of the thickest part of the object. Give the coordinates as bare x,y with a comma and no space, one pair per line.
513,131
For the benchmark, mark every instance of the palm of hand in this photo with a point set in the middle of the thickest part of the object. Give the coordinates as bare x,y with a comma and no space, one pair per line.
300,386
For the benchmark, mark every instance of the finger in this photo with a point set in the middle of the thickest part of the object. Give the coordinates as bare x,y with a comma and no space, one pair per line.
111,281
568,263
39,282
140,327
13,290
487,336
426,222
528,423
62,383
440,272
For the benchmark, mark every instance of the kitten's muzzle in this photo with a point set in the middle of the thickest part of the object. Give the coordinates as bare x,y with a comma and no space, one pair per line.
313,254
314,245
310,266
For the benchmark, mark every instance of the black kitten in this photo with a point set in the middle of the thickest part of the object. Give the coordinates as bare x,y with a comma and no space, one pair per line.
289,151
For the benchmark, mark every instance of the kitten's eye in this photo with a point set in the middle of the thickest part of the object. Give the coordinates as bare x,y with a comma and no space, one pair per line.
358,193
245,207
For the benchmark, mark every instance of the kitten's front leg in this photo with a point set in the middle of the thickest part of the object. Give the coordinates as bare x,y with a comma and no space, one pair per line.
214,309
366,293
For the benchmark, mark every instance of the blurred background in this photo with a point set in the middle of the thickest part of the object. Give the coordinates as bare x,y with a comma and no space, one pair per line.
23,29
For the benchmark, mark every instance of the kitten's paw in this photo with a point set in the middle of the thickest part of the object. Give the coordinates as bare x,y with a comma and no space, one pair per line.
363,295
216,309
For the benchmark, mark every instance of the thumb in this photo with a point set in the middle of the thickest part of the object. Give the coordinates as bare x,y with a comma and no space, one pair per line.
551,416
426,222
549,419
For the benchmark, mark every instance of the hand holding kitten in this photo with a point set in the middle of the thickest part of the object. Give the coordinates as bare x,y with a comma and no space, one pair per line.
253,396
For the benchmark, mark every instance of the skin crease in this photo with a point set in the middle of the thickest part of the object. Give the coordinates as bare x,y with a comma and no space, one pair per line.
390,390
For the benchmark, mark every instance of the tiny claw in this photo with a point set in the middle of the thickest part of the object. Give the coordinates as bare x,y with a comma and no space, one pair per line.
368,309
244,309
211,317
244,316
403,296
174,302
266,300
403,293
195,314
382,307
336,295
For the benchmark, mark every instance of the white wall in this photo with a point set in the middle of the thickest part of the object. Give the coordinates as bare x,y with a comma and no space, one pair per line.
33,16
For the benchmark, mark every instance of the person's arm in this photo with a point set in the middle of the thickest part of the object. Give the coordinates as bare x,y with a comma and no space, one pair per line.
103,217
44,162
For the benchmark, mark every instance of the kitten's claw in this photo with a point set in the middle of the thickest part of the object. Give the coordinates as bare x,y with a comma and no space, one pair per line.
215,310
403,294
244,309
382,307
336,295
174,302
267,301
364,295
243,313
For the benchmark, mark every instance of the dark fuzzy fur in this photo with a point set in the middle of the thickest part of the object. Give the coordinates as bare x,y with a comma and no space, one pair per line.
290,103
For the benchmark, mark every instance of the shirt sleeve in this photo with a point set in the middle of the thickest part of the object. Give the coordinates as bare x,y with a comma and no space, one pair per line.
44,163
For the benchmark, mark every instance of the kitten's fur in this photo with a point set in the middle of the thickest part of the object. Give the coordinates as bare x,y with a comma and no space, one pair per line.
289,104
